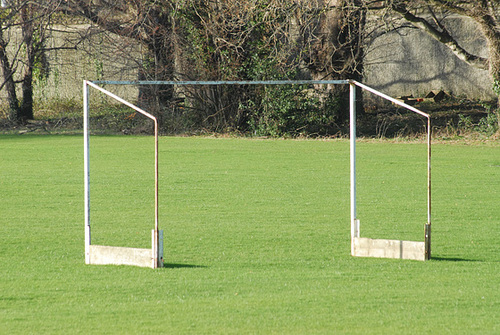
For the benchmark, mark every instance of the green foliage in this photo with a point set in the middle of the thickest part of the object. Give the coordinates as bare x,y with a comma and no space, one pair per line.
240,43
291,111
487,125
287,110
464,122
496,86
41,67
256,237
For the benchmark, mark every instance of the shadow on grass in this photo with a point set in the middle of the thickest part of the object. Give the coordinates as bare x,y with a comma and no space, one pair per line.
182,266
454,259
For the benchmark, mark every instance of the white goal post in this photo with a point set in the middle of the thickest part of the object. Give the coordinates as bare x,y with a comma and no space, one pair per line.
367,247
360,247
96,254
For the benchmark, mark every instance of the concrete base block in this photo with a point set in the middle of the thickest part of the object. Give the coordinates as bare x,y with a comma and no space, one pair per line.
104,255
367,247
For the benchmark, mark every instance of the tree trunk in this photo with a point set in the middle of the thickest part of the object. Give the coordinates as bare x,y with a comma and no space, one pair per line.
26,111
8,81
339,50
158,64
20,113
494,67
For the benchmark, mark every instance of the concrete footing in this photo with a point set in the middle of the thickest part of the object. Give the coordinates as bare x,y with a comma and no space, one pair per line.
103,255
106,255
367,247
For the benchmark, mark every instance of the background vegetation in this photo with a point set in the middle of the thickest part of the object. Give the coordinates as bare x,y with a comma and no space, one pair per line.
223,40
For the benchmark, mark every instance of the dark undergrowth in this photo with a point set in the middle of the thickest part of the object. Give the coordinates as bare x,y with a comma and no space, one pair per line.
452,119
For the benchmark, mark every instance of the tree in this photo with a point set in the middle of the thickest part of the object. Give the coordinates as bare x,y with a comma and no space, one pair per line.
26,53
24,30
225,39
148,22
277,39
336,45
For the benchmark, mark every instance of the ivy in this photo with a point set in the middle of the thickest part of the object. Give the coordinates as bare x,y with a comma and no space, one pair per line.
496,85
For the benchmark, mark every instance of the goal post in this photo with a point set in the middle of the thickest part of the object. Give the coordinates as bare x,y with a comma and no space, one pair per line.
96,254
360,247
367,247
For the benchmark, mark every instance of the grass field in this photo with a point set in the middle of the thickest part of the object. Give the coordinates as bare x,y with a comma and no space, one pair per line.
257,237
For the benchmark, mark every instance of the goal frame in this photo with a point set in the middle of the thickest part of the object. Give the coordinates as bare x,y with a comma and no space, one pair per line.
383,248
102,255
360,247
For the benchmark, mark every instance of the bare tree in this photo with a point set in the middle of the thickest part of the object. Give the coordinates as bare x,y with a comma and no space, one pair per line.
24,30
150,23
248,39
335,42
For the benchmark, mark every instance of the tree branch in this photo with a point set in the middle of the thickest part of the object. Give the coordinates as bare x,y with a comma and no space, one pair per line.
442,36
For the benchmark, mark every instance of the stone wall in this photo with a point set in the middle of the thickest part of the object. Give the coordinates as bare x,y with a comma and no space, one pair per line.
108,57
409,62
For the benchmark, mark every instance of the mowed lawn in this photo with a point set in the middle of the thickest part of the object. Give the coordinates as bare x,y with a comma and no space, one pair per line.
257,237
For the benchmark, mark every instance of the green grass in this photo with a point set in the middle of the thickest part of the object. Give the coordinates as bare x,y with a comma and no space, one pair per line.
256,237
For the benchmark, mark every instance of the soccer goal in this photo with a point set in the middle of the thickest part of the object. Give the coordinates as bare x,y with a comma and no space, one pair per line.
360,246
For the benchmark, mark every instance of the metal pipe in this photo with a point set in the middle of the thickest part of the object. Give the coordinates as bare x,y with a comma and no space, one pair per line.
224,82
155,246
156,175
86,169
126,103
352,83
429,133
352,136
427,231
385,96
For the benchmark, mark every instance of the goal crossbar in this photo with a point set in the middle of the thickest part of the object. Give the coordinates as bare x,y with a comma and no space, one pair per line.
361,247
222,82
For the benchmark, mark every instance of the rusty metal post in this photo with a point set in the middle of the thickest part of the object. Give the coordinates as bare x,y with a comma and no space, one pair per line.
428,224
